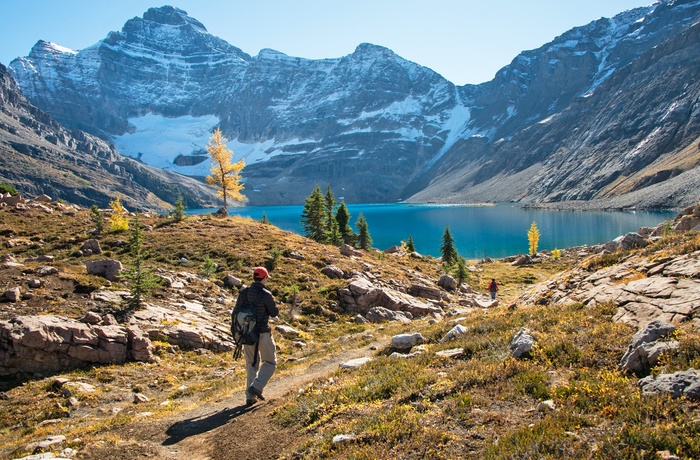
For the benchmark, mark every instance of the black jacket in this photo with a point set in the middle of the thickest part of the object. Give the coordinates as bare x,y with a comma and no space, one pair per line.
265,305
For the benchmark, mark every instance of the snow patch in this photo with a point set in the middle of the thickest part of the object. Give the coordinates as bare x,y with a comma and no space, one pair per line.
157,140
62,49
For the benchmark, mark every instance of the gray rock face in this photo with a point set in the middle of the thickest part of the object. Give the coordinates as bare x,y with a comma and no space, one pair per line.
361,295
372,114
447,282
405,342
521,344
684,383
626,242
643,351
381,314
333,272
670,292
50,344
109,268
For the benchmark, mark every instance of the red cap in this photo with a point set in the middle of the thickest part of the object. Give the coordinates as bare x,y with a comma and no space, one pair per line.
260,273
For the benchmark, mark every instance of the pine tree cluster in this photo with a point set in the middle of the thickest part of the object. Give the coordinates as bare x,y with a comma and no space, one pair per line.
327,221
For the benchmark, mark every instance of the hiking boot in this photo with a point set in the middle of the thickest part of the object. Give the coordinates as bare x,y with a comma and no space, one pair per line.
249,402
254,391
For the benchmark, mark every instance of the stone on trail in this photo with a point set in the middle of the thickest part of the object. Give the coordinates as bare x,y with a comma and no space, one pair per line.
355,363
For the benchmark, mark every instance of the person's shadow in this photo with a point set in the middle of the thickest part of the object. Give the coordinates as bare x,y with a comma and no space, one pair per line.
198,425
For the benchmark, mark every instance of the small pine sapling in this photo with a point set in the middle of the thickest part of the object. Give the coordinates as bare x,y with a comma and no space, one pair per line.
97,217
141,281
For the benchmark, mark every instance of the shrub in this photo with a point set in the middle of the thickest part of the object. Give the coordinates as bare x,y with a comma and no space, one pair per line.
208,268
7,188
273,258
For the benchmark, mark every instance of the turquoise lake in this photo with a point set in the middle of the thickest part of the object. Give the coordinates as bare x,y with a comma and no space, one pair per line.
478,231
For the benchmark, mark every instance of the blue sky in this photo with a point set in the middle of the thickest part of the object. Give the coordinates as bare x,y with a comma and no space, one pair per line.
465,41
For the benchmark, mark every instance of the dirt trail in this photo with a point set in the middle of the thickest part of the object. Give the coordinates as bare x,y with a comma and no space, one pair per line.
226,429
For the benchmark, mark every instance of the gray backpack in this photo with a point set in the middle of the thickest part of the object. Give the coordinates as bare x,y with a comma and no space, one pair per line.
244,326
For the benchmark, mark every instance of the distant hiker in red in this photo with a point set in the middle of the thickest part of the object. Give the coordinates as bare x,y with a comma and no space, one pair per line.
493,288
264,350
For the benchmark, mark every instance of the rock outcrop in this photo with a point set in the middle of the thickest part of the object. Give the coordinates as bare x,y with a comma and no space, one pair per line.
360,296
51,344
645,348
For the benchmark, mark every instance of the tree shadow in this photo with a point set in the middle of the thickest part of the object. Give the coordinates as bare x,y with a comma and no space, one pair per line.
198,425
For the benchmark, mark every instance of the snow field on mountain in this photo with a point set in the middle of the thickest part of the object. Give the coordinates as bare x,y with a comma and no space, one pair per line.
157,140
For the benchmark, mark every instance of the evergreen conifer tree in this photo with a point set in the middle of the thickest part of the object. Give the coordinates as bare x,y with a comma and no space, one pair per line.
97,218
461,271
410,246
448,250
333,235
142,281
342,216
179,211
314,216
364,238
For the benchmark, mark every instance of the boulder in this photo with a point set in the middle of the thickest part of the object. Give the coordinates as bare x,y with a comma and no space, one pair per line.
405,342
450,353
13,200
687,223
381,314
522,260
455,332
349,251
643,351
231,281
43,199
91,245
355,363
684,383
394,250
361,295
427,292
140,346
333,272
359,319
447,282
522,344
631,240
190,328
287,332
108,268
46,270
34,283
13,294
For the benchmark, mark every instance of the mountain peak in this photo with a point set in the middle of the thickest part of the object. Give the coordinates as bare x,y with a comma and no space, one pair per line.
372,49
169,15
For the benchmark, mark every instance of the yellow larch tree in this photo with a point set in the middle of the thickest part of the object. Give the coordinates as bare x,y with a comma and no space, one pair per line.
225,176
533,236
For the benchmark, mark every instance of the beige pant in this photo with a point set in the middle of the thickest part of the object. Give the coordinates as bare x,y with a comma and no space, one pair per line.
259,375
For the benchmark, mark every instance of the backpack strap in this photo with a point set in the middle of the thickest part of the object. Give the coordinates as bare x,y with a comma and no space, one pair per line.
257,325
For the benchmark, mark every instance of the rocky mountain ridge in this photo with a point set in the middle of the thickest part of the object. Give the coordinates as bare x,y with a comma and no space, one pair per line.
559,123
39,156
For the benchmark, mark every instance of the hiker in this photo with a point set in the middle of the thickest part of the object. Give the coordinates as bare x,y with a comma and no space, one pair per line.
264,351
493,288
